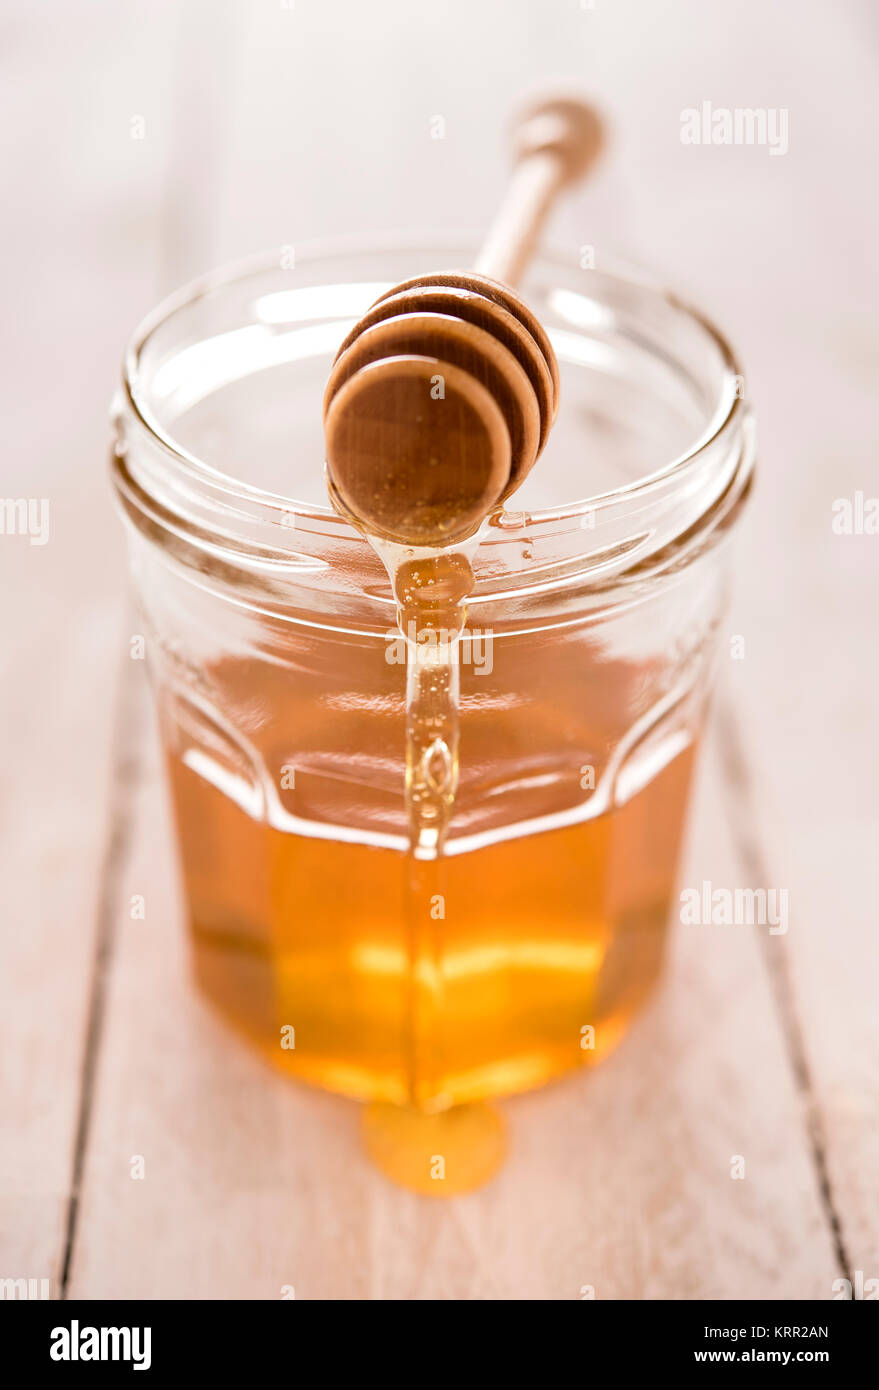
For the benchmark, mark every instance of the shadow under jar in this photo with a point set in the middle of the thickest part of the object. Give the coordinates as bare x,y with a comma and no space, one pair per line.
527,947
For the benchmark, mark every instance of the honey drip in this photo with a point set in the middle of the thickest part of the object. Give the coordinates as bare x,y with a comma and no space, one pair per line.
408,1143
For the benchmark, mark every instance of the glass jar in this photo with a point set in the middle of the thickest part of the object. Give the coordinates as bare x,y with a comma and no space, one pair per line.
586,666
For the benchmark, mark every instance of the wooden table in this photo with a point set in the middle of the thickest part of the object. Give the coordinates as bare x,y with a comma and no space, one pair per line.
761,1046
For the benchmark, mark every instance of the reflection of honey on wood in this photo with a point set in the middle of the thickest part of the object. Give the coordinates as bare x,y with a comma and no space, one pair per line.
537,939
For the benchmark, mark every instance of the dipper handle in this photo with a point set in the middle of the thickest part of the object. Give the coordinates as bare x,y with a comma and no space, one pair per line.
556,142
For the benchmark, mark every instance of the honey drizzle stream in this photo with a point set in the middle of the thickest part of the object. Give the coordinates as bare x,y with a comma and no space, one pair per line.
431,588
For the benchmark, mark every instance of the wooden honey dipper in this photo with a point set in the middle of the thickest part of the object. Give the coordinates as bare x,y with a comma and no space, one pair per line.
442,396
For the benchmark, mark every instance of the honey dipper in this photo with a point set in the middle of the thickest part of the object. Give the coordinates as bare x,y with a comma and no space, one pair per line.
441,397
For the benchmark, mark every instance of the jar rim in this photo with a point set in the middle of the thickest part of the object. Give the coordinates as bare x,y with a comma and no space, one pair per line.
244,510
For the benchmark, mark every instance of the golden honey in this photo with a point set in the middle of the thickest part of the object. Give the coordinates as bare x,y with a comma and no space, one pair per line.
364,970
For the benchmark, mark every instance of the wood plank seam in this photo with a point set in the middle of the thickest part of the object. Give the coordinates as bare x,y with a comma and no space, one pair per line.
127,769
181,251
741,810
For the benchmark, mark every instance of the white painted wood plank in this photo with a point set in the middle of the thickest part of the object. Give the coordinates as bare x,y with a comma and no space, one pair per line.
78,267
781,250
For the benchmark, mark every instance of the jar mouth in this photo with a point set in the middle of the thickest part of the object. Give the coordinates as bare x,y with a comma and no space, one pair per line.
645,521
